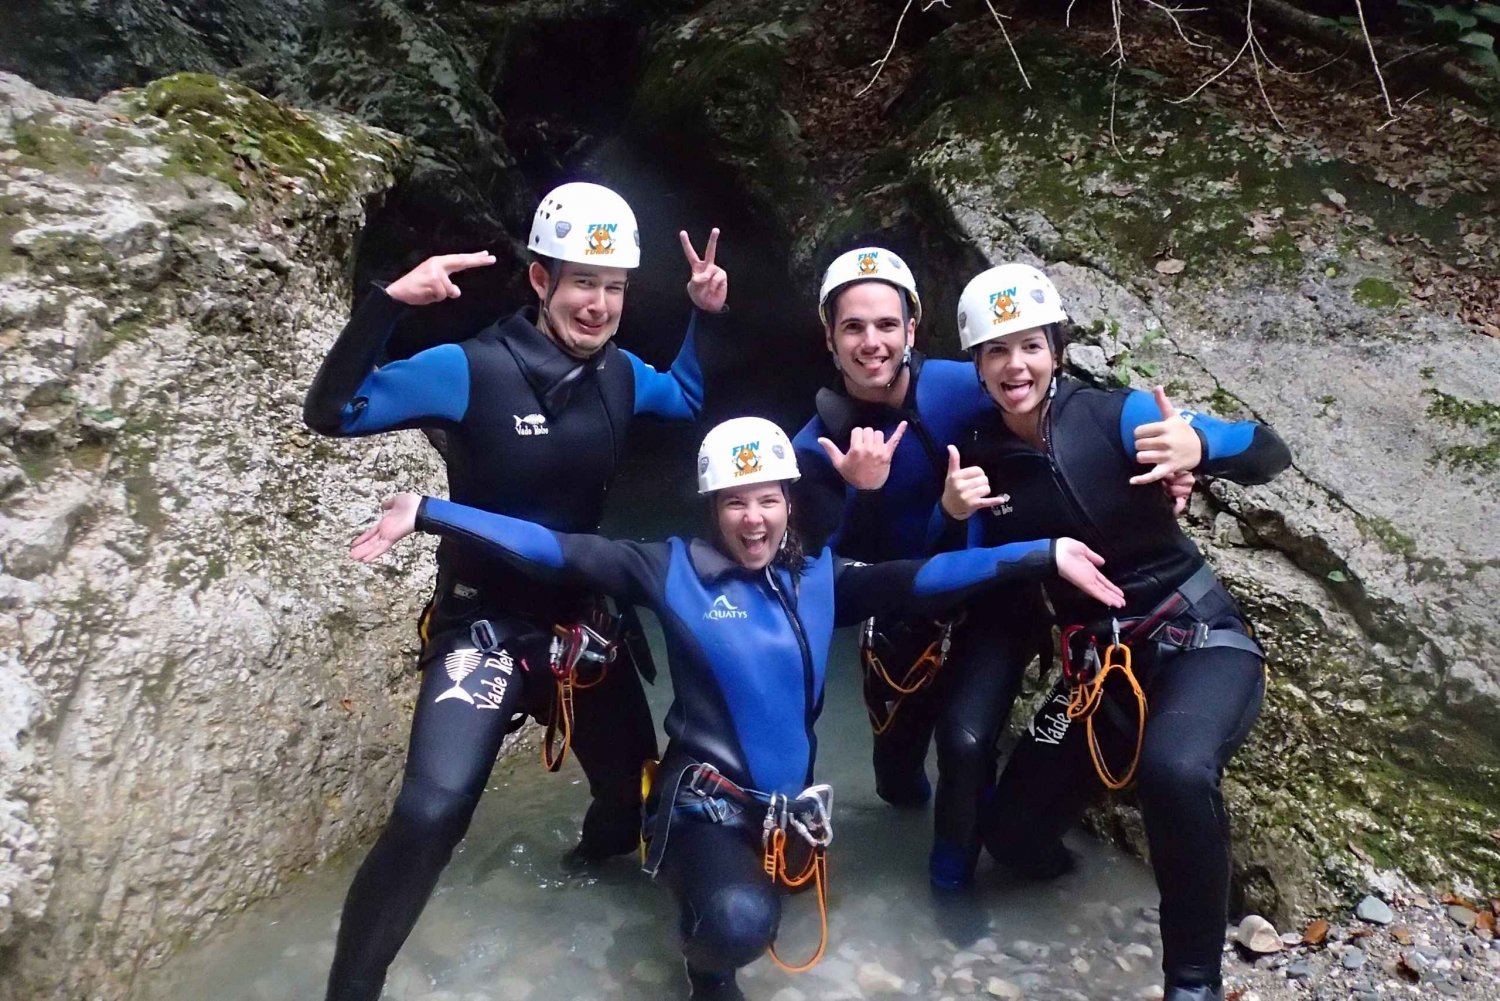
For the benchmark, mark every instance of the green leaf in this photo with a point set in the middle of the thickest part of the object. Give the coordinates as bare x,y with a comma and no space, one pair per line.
1487,12
1338,576
1478,39
1462,20
1487,59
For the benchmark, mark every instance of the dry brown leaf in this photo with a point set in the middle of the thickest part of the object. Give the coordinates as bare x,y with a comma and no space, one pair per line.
348,705
1453,898
1401,934
1316,933
1485,922
1170,266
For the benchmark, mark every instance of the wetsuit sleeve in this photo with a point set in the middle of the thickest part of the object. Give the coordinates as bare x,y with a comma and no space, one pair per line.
676,394
930,586
1243,451
630,571
818,496
351,397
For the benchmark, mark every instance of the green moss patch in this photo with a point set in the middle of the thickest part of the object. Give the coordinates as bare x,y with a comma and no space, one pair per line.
1376,294
230,132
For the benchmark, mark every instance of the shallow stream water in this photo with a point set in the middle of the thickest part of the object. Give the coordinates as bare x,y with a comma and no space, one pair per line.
511,922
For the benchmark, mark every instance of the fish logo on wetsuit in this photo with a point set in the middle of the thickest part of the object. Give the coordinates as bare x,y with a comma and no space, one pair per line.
601,238
867,264
1003,306
747,458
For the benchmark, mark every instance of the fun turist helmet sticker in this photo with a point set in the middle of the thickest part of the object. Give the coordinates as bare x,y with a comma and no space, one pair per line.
747,458
1003,306
601,238
868,265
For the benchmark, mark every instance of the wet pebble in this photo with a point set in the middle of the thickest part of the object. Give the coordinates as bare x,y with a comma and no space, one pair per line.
1375,911
1352,959
1258,935
1462,916
995,987
1302,969
873,978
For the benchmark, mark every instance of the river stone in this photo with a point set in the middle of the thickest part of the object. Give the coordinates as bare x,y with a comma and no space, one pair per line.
1375,911
1352,959
1462,916
1258,935
873,978
995,987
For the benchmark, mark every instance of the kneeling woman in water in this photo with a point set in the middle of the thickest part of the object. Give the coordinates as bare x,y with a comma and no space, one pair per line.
1069,458
748,620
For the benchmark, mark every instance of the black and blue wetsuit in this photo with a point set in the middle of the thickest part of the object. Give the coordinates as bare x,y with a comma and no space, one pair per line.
1202,699
531,432
967,702
747,652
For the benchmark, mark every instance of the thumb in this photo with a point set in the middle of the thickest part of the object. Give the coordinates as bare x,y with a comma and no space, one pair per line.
953,463
834,455
1163,404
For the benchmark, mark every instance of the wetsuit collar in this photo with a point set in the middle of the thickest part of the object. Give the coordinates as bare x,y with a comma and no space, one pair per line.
552,373
842,413
708,563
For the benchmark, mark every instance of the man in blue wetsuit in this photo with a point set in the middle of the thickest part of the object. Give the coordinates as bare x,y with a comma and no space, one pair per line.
874,459
535,410
748,619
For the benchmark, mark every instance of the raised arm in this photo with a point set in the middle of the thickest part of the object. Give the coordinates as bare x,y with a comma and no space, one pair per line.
933,585
1171,441
678,393
629,571
350,397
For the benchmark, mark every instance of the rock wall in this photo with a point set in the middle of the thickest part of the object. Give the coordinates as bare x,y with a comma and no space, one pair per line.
200,694
1256,275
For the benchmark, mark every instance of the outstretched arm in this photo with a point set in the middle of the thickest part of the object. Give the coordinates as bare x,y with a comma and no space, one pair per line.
1169,441
623,570
350,397
932,585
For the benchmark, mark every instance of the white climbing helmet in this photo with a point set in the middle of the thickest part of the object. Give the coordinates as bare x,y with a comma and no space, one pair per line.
1005,299
743,451
586,224
866,264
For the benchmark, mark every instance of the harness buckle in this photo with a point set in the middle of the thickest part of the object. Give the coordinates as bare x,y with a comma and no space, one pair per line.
482,635
702,772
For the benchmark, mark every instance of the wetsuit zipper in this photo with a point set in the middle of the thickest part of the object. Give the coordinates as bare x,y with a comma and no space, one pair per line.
1095,536
807,669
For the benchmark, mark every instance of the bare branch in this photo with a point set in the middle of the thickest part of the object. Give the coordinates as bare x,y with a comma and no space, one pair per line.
889,49
1360,7
1172,13
1006,35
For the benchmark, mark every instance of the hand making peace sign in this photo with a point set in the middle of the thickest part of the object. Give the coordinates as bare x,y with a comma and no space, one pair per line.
431,281
709,285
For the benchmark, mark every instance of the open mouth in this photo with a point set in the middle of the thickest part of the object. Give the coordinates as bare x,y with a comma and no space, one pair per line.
1016,392
756,545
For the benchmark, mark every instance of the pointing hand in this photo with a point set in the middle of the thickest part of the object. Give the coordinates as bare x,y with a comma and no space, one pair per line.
432,280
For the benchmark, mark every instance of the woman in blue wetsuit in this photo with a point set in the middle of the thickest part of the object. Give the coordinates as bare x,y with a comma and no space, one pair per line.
1062,459
748,619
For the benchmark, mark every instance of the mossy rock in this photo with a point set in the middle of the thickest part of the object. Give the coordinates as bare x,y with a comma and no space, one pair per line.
230,132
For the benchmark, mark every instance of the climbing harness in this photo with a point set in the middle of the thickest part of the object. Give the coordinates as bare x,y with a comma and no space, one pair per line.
574,644
1178,624
702,791
1087,693
918,675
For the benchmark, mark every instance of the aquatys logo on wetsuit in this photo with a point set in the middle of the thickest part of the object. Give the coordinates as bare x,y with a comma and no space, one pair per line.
1003,306
601,238
868,264
722,608
747,458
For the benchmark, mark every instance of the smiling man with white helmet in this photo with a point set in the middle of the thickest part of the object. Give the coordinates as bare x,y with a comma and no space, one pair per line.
748,620
535,410
875,458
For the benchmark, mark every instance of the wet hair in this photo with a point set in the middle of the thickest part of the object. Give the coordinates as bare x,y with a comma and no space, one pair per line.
1059,336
